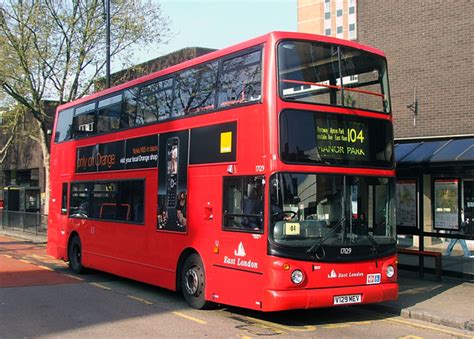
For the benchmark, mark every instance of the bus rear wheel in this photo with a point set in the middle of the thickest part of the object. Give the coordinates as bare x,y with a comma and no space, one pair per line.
193,282
75,255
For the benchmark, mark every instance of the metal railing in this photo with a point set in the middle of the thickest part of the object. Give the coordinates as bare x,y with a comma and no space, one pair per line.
28,222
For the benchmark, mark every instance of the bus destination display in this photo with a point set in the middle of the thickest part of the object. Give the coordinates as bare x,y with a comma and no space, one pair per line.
335,139
342,139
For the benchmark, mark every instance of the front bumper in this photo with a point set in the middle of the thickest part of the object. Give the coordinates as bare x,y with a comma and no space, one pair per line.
324,297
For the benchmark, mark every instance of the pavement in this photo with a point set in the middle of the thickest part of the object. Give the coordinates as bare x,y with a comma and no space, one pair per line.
448,302
36,238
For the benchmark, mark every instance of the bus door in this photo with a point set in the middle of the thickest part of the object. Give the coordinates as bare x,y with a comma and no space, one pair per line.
55,237
242,244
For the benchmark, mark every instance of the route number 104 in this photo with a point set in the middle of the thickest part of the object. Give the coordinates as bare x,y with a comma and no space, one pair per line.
353,135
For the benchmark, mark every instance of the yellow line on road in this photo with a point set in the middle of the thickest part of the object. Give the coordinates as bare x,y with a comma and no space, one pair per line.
435,329
409,323
101,286
71,276
7,255
182,315
47,257
140,299
46,268
363,322
331,326
25,261
306,328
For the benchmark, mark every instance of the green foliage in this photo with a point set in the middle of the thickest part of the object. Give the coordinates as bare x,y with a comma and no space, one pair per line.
12,128
54,49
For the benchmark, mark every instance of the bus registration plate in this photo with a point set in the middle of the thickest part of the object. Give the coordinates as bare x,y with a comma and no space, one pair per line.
347,299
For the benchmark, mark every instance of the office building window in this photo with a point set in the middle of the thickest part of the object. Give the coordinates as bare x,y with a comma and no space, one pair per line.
352,32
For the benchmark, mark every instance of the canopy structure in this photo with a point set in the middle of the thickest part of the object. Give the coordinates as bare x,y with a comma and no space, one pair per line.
446,152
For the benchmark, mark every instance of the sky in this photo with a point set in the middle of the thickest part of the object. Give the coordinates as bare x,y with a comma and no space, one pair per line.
221,23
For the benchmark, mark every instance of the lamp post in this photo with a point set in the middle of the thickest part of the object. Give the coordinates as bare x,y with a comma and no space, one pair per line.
106,4
413,107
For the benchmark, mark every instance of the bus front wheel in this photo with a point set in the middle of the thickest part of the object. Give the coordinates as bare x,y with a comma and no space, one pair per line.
75,255
193,282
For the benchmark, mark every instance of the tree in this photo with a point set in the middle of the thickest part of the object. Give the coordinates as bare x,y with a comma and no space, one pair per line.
55,49
10,119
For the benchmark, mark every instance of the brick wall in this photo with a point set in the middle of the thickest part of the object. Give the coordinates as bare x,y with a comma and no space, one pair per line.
429,44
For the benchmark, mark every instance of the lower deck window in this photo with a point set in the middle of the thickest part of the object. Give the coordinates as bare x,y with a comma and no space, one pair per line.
108,200
243,203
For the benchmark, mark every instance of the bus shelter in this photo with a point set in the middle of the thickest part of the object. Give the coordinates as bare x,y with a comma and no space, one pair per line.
435,203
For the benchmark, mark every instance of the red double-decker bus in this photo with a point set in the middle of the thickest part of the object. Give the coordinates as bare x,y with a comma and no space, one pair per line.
260,176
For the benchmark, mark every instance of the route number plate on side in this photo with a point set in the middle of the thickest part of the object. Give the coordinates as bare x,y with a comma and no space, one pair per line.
348,299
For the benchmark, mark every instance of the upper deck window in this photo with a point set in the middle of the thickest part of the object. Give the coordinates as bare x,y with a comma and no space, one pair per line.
109,114
230,81
320,73
84,120
129,107
156,102
195,90
64,125
240,81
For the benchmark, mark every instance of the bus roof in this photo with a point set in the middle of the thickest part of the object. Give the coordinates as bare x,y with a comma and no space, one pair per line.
274,37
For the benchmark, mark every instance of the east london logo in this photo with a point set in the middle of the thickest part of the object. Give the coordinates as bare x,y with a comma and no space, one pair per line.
240,252
239,261
333,275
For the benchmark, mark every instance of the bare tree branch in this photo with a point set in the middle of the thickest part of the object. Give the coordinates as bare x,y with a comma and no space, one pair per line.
53,50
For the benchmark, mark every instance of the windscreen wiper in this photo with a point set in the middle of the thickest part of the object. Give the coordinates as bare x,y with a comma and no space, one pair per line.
318,243
373,243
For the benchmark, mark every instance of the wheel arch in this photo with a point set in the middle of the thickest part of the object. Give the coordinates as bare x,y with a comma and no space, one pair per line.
71,236
182,258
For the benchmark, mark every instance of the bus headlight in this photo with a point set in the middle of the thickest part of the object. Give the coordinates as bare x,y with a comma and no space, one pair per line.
390,271
297,277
